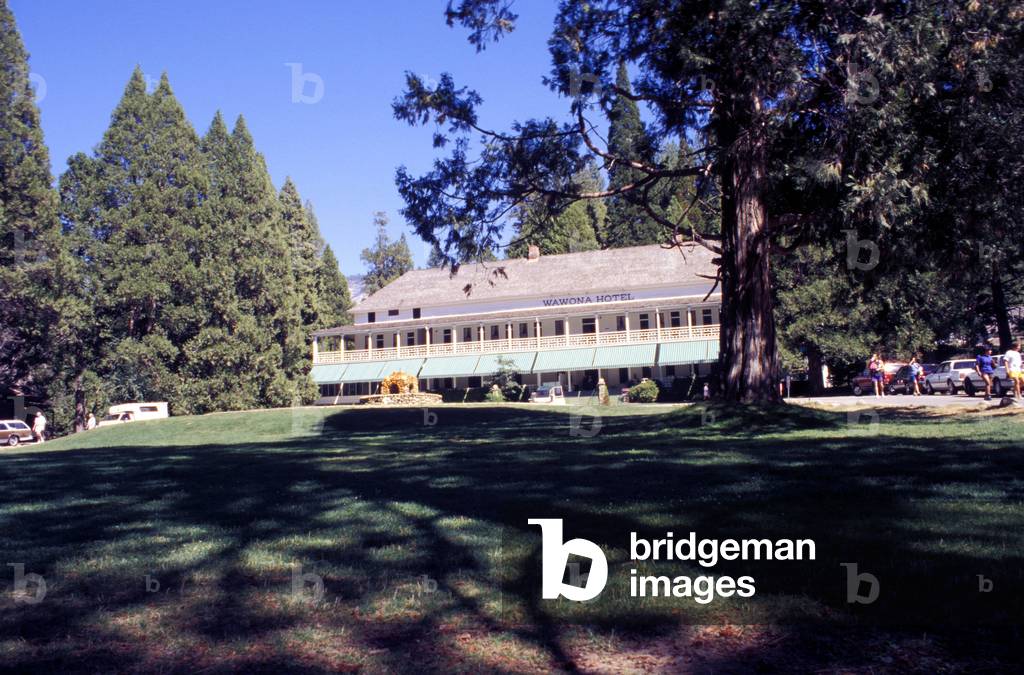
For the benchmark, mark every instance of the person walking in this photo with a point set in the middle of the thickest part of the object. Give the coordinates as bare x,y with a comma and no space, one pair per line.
1012,360
984,366
876,368
39,427
915,373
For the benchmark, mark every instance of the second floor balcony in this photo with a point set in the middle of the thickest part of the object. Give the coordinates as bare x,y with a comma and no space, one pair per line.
452,347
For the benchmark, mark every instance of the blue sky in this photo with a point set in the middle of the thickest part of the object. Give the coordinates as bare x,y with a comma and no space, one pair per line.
230,55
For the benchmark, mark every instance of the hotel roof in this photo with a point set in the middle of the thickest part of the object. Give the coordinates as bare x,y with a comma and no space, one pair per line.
623,269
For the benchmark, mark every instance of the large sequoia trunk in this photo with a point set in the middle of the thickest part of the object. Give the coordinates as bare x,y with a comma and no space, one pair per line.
748,349
1000,311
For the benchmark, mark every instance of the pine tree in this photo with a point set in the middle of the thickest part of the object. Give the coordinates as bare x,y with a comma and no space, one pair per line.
29,229
135,218
575,228
386,260
333,298
305,245
628,223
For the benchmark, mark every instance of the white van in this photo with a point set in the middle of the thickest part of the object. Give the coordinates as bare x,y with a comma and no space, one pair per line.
550,393
133,412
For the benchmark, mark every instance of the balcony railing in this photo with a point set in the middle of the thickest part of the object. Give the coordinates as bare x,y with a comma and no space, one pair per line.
522,344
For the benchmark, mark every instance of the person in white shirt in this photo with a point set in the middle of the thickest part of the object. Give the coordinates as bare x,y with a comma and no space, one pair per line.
1012,360
90,422
39,427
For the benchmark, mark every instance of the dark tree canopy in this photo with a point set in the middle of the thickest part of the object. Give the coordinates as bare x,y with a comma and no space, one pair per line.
799,117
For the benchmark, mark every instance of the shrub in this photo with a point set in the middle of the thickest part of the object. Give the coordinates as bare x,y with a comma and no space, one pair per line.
645,392
495,395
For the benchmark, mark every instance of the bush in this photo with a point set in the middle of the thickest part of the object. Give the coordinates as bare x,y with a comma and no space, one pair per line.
645,392
495,395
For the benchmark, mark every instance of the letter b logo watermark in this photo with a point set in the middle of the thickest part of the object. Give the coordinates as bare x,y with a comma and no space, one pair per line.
555,559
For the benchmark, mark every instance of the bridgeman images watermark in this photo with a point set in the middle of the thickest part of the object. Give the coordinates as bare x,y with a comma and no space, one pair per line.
707,553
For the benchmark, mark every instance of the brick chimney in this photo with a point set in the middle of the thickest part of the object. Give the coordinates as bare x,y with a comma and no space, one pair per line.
533,252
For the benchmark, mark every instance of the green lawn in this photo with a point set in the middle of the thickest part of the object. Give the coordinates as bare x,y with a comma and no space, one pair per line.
419,533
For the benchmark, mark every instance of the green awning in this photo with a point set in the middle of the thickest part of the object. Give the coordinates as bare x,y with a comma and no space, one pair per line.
407,366
625,356
363,372
692,351
449,366
564,359
328,374
488,363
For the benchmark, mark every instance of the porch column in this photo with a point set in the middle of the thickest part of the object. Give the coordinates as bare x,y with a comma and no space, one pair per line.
536,334
369,344
426,332
342,347
508,334
689,322
597,329
627,326
316,349
566,326
455,339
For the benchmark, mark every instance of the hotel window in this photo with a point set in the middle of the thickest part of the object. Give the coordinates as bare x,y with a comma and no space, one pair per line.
670,371
410,339
415,312
467,334
623,375
379,340
693,317
706,317
620,323
366,342
588,326
474,381
371,317
494,332
559,327
645,321
392,312
329,389
524,330
446,336
674,319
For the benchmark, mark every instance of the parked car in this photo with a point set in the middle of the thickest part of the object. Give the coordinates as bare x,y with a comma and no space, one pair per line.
902,383
1000,382
551,394
863,383
13,432
132,412
949,376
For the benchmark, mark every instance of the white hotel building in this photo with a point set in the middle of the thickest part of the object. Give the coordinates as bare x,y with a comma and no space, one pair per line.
621,314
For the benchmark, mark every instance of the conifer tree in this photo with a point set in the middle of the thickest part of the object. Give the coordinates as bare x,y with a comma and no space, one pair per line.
305,246
628,224
333,297
386,260
29,229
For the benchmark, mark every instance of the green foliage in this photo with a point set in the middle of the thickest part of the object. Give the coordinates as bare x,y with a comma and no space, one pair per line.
645,391
333,296
506,378
386,260
575,228
29,229
495,395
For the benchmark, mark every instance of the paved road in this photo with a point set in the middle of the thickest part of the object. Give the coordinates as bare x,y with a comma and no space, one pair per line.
899,400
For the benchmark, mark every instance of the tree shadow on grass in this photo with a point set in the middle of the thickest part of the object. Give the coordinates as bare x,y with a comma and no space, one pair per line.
419,535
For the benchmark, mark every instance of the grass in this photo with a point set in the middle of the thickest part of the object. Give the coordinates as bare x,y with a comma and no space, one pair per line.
419,534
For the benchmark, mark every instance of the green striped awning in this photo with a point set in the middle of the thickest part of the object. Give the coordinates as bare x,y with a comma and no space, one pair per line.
624,356
523,361
449,366
693,351
328,374
363,372
408,366
564,359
